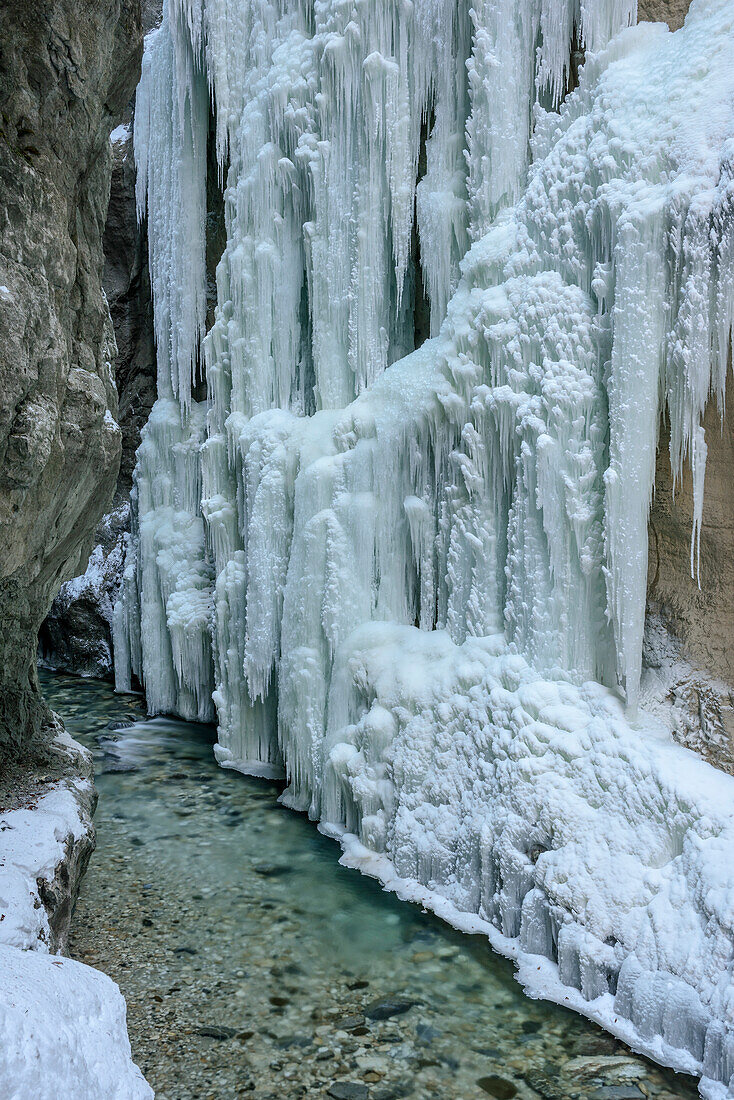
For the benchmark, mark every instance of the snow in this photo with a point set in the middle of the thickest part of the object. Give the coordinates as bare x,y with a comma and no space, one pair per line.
422,573
64,1032
63,1024
121,134
32,844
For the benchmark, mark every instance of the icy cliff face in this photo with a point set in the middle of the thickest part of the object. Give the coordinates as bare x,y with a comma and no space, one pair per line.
415,569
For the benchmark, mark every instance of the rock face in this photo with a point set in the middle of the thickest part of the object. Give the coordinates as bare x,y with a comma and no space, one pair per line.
691,617
127,288
672,12
77,634
67,68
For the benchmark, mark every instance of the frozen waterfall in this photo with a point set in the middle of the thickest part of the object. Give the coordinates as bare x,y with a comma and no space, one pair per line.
411,571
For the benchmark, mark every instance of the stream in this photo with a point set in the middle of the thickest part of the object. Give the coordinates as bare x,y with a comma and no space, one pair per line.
254,965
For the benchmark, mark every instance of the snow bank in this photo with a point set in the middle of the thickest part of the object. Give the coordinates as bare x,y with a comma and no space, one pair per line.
64,1034
33,842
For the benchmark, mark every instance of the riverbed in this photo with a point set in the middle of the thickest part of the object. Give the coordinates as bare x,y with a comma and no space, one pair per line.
254,965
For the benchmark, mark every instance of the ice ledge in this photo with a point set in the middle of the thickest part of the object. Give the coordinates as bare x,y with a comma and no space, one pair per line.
63,1026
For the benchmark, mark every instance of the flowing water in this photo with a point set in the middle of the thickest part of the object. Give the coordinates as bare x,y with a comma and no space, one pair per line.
254,965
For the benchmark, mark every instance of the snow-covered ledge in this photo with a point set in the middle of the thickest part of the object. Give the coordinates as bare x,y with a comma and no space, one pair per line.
63,1024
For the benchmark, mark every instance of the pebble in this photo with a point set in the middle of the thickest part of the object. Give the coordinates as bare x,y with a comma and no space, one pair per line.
213,1032
348,1090
616,1092
271,870
386,1007
348,1023
498,1087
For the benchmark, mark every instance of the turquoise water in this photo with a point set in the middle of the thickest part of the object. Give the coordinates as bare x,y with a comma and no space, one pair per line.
254,965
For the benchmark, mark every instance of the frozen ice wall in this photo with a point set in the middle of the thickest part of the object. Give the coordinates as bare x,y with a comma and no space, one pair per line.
415,579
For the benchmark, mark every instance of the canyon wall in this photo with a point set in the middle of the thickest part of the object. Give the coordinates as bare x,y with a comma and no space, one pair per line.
76,635
67,69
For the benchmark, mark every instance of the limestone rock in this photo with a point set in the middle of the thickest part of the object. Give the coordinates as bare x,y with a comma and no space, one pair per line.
76,636
67,68
691,617
672,12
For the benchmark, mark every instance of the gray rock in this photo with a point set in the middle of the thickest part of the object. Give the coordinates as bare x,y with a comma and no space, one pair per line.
616,1092
348,1023
67,69
499,1087
211,1031
348,1090
76,636
386,1007
272,870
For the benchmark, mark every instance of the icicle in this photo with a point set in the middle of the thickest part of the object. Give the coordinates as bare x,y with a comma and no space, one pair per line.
698,469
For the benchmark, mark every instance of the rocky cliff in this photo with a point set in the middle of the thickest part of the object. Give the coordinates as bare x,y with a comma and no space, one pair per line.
67,68
76,636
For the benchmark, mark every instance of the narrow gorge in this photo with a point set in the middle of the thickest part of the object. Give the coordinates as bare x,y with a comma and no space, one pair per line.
398,364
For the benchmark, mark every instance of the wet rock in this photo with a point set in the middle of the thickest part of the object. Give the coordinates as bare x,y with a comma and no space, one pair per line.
212,1031
348,1090
385,1007
271,870
615,1092
349,1023
499,1087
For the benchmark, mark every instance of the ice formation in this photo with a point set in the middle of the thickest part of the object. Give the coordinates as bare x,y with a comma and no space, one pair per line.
416,579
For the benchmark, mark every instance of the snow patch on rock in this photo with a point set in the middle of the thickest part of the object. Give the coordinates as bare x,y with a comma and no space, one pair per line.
63,1026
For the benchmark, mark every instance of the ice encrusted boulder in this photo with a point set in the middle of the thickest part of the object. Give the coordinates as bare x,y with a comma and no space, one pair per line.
76,635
